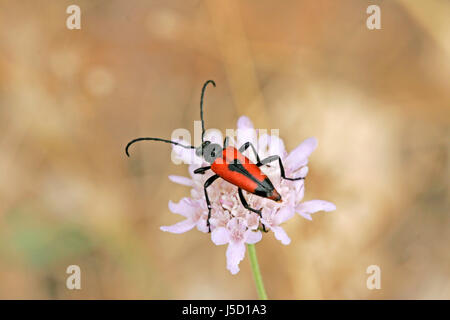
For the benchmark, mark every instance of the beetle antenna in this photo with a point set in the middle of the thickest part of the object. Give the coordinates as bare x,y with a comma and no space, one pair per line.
201,105
156,139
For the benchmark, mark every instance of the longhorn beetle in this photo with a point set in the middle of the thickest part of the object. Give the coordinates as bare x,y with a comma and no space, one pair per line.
231,165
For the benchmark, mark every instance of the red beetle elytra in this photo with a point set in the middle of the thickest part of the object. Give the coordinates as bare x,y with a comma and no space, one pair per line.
231,165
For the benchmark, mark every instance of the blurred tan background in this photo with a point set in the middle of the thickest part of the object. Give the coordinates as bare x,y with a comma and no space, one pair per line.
377,101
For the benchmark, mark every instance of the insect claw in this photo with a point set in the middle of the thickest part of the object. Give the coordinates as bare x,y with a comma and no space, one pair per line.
263,228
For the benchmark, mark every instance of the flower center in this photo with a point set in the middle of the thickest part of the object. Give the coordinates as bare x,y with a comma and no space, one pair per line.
237,235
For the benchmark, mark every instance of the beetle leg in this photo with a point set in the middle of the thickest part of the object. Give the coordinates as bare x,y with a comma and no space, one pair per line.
267,160
202,170
208,203
245,147
273,158
226,142
246,206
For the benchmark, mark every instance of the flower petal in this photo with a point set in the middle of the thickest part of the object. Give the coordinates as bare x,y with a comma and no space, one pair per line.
245,133
253,237
281,235
244,123
299,187
284,214
237,224
276,146
299,156
235,254
185,181
307,216
184,155
303,171
185,207
179,227
202,226
307,208
220,236
263,144
252,220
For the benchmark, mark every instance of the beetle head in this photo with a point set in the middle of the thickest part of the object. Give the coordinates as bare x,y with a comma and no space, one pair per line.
209,151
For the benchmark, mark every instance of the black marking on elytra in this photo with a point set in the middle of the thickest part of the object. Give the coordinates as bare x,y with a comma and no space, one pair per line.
263,189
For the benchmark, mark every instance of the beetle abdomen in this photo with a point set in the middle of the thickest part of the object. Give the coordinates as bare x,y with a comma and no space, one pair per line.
240,171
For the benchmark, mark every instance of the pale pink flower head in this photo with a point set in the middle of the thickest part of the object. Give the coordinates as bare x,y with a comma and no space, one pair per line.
231,223
236,234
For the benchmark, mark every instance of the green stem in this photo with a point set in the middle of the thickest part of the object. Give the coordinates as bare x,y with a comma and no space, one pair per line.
256,272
